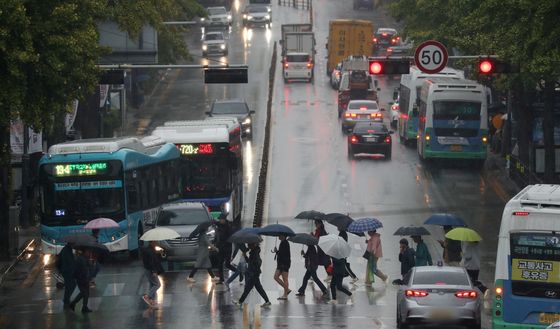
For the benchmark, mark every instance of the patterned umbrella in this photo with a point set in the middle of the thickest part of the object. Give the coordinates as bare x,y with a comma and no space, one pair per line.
100,223
365,224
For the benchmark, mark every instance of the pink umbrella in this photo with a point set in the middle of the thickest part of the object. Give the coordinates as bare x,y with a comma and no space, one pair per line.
100,223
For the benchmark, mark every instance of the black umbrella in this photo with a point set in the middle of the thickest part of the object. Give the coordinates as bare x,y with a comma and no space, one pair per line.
339,220
276,230
245,237
310,215
304,238
202,227
411,230
244,231
93,246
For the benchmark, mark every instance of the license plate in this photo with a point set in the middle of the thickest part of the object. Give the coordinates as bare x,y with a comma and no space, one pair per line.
371,139
442,314
548,318
456,148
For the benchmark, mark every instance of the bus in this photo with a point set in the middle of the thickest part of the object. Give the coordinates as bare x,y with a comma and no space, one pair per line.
408,94
211,162
452,120
125,179
527,277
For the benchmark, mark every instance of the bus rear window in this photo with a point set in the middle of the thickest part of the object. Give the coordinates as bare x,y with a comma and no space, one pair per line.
297,58
455,110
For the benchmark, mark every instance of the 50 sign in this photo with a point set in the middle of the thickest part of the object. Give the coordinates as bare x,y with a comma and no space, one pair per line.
431,57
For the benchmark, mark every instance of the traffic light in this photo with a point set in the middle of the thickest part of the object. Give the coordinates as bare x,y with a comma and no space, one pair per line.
388,66
492,65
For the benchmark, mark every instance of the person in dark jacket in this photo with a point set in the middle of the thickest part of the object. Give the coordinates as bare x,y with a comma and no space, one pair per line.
451,249
94,259
152,265
202,256
343,234
223,232
252,275
66,265
311,265
339,268
283,262
324,260
82,276
406,257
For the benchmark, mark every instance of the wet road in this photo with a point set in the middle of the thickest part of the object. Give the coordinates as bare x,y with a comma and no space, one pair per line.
309,170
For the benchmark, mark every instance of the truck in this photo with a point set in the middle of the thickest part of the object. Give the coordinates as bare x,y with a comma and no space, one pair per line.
348,37
298,52
356,84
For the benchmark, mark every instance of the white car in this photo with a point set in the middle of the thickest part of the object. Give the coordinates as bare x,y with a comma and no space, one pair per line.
217,16
256,15
214,42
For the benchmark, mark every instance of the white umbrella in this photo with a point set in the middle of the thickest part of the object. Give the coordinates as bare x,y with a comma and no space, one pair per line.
334,246
159,234
100,223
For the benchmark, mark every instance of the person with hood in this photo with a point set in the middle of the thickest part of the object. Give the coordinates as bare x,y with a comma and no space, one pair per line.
202,255
406,257
82,276
311,265
423,257
66,265
252,280
283,262
152,266
324,260
223,232
374,253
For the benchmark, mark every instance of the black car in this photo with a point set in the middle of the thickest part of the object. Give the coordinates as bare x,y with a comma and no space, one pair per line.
236,108
370,138
386,37
363,4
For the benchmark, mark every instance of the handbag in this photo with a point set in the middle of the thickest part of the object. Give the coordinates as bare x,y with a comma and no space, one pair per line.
366,254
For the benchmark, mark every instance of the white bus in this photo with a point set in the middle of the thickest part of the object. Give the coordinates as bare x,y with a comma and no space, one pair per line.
527,278
409,92
452,120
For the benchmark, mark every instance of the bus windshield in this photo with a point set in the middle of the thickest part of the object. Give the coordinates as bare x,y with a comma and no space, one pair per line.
456,110
206,177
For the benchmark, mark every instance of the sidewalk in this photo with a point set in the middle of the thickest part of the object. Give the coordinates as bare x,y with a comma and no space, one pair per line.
24,237
496,174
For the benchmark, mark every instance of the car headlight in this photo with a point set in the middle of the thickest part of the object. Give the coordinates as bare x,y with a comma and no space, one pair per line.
229,17
249,17
267,17
244,16
158,248
202,19
204,47
227,207
247,121
222,46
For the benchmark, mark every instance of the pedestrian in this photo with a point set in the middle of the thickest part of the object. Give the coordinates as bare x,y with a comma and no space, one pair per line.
324,260
374,253
203,255
252,275
423,257
471,259
66,265
339,268
241,267
342,233
451,249
152,265
223,232
311,265
283,262
82,276
406,257
94,259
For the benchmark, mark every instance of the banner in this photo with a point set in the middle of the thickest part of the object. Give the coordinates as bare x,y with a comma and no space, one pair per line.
544,271
16,139
103,94
71,117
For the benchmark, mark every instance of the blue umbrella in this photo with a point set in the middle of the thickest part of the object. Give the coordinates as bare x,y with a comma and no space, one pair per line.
445,220
364,225
244,232
276,230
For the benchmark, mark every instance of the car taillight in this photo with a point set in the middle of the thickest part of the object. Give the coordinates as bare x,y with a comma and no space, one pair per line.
363,108
395,107
384,34
521,213
354,139
466,294
484,140
393,40
404,116
376,115
389,50
388,139
415,293
286,65
309,65
374,40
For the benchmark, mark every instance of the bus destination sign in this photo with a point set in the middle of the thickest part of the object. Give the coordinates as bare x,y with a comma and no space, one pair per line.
80,169
194,149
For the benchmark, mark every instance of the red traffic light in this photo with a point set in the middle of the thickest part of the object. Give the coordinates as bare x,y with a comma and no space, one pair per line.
375,67
485,66
494,65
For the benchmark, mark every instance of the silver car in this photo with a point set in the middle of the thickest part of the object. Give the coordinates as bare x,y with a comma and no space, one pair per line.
438,294
182,217
360,111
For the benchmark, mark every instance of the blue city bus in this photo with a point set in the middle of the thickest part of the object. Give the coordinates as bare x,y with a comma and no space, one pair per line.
453,120
211,162
125,179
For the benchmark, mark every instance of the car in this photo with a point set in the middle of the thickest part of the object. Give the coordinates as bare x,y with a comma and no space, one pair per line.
236,108
363,4
385,37
256,14
439,295
401,49
214,42
370,138
182,217
335,76
217,16
359,111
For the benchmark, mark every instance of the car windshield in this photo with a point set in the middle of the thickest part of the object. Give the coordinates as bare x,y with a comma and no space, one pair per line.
441,278
370,127
297,58
385,32
216,11
213,36
362,105
229,108
179,216
258,10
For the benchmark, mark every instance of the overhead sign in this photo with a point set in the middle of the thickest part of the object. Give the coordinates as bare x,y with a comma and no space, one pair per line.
431,56
226,75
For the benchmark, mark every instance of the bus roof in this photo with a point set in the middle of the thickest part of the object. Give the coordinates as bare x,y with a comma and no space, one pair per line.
231,123
193,134
540,196
147,145
416,76
448,83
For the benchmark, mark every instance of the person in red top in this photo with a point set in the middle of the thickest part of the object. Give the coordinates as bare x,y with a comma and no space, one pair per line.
324,260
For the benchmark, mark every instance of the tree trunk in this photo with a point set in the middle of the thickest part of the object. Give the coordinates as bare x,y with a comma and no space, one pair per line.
548,132
5,191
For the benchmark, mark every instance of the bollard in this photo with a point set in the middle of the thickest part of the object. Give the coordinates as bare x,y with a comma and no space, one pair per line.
257,317
245,316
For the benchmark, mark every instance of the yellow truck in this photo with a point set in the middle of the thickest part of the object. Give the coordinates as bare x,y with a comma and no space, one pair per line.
348,37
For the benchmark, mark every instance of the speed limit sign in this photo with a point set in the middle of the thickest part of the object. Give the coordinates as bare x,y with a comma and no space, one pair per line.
431,57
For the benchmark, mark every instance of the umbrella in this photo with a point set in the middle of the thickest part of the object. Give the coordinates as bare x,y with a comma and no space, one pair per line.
245,237
310,215
555,325
334,246
463,234
304,238
364,225
445,220
202,227
411,230
159,234
244,231
100,223
276,230
339,220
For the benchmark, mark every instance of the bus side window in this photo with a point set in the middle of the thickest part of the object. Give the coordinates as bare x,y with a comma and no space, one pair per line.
144,192
132,195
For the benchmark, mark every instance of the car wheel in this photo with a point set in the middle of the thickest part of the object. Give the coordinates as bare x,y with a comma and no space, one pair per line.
475,325
400,323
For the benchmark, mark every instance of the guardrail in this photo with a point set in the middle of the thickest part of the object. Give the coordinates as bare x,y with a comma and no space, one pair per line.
298,4
16,260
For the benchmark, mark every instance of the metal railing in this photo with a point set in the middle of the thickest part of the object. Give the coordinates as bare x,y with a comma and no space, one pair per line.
298,4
